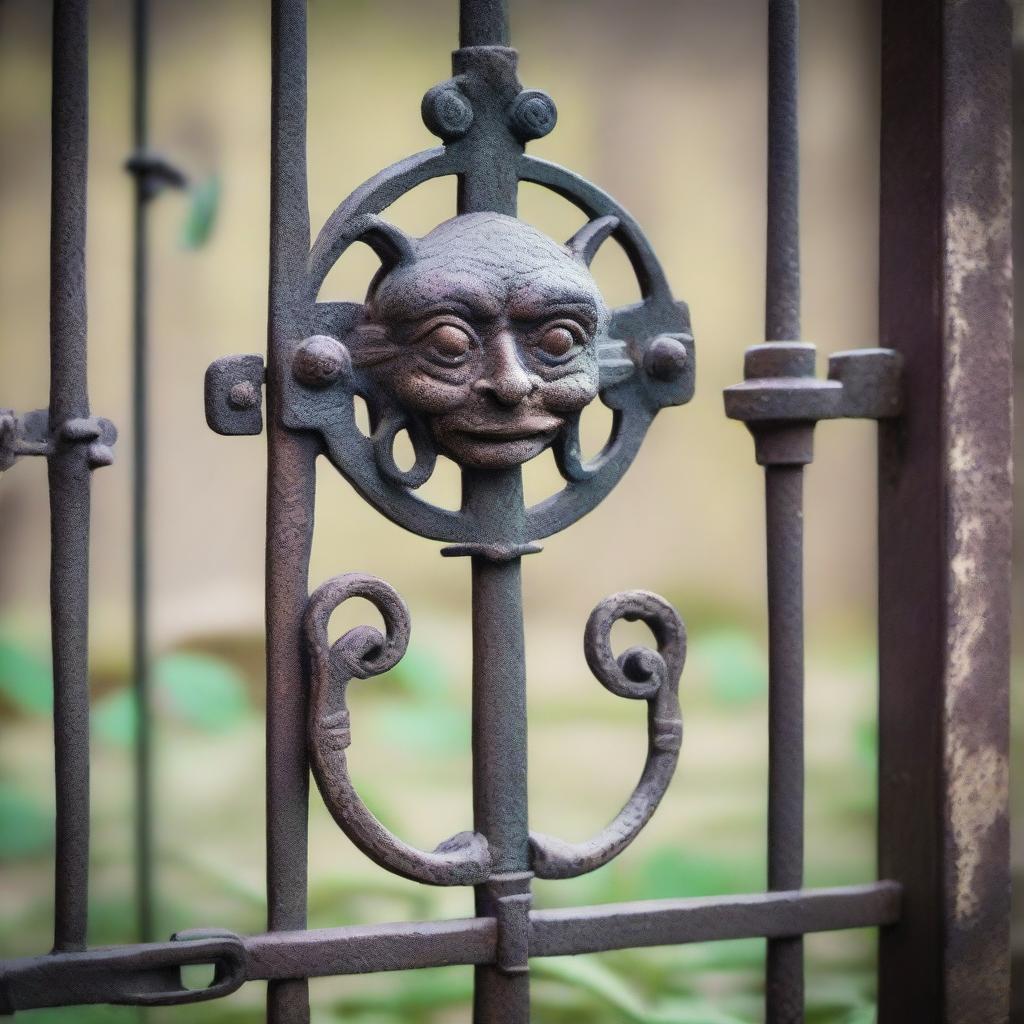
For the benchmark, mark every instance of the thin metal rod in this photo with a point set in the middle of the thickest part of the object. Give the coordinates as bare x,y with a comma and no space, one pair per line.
483,23
782,270
784,981
784,987
140,488
69,473
290,493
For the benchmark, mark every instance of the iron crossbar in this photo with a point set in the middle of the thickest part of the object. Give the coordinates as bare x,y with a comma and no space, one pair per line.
308,953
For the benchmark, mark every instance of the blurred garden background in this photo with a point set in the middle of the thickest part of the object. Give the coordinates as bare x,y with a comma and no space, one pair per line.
660,103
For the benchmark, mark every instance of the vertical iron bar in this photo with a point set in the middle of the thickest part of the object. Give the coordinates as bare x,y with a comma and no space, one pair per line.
140,487
782,270
290,501
68,471
784,975
483,23
499,733
499,667
945,511
784,989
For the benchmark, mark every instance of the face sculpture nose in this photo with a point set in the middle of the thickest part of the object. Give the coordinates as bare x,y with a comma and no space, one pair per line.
506,379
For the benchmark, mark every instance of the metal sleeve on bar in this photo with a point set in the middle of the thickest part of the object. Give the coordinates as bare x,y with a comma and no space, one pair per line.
290,500
69,474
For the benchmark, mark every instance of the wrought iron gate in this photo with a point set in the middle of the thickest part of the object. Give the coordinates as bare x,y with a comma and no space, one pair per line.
484,340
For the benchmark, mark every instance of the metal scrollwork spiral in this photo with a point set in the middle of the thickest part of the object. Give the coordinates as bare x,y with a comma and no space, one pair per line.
639,673
361,653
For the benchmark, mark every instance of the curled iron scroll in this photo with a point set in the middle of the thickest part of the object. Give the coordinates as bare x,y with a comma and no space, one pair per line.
361,653
639,673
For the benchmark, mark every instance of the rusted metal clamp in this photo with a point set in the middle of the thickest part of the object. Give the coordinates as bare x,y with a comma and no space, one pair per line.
29,434
781,399
148,975
507,898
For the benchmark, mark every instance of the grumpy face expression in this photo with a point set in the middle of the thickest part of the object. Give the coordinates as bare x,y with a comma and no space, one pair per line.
486,329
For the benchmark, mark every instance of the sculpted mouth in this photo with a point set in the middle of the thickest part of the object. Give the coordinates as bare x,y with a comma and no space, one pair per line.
499,434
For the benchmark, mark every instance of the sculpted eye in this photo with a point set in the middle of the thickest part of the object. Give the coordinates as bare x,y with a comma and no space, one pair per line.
448,343
559,341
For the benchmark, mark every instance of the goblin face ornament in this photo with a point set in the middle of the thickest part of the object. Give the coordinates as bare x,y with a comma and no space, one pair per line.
487,331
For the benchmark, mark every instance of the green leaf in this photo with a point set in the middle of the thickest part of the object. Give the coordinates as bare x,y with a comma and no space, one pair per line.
25,678
26,829
113,718
202,213
669,872
421,672
587,974
206,692
422,728
734,665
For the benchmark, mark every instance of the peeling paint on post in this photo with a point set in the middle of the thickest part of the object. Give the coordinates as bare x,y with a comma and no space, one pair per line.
945,509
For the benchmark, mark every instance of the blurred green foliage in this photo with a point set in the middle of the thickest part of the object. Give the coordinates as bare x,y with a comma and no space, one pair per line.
418,709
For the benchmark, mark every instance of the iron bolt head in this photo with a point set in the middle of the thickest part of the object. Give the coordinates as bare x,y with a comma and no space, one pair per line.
665,359
446,112
243,395
320,360
532,115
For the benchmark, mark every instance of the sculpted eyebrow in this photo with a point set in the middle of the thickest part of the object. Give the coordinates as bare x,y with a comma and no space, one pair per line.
462,302
578,307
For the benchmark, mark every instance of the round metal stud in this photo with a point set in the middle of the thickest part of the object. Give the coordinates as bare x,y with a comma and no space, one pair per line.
532,115
320,360
665,359
243,395
446,112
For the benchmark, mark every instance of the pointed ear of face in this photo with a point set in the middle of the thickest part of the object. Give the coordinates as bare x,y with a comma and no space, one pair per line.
391,244
585,243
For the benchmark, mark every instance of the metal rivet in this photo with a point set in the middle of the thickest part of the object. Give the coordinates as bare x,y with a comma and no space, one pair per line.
532,114
665,359
446,112
243,395
320,361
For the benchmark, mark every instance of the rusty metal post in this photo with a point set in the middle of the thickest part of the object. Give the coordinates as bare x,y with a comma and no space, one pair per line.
290,499
944,510
69,469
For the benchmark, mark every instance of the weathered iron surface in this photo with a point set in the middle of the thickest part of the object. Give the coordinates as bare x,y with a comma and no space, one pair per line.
484,341
945,510
140,975
149,973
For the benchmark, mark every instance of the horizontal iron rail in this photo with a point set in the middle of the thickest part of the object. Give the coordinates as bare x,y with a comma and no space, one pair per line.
573,930
63,979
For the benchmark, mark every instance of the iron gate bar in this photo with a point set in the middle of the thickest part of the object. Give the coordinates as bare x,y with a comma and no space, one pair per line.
570,931
945,510
140,482
784,981
148,973
69,470
291,481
